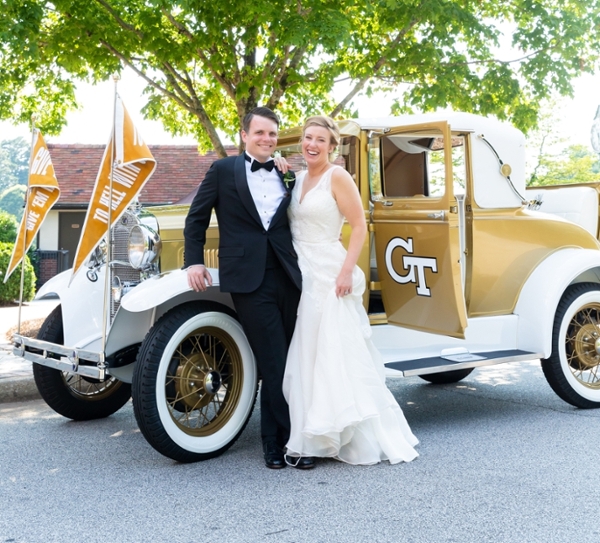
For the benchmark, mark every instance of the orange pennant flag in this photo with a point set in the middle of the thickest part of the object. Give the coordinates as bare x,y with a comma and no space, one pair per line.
133,164
42,193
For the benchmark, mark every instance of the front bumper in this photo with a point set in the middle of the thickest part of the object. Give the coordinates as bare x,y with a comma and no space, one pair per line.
72,360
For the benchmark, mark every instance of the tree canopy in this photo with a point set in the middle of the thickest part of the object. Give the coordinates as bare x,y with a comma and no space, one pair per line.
206,63
12,200
14,163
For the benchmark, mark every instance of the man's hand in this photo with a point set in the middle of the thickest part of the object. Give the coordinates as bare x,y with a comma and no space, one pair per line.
199,277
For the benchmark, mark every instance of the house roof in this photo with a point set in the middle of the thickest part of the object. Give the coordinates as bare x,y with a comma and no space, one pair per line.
179,170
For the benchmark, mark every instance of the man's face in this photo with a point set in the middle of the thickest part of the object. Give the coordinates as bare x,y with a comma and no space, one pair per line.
261,138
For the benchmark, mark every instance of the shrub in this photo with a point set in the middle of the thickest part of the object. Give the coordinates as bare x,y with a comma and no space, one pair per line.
9,291
8,227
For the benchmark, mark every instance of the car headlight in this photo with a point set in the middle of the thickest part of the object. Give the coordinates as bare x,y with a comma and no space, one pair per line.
143,247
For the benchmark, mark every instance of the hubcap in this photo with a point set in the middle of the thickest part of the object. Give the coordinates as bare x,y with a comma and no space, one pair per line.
204,381
212,382
583,345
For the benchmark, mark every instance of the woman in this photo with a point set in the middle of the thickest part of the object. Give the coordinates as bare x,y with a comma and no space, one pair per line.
334,382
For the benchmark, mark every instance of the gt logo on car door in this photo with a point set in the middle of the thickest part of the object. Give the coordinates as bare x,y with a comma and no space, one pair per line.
415,265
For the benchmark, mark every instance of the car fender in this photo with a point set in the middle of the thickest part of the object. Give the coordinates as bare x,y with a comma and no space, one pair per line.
160,289
543,290
143,305
81,302
55,285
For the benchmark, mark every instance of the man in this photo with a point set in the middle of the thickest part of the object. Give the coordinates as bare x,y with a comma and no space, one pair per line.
257,263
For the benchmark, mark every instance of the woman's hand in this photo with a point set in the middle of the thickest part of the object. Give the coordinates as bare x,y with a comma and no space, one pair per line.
343,284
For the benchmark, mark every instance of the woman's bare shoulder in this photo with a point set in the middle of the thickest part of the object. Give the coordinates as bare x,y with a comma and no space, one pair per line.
341,179
340,175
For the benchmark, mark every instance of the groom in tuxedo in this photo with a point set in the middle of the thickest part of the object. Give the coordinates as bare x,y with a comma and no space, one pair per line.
257,263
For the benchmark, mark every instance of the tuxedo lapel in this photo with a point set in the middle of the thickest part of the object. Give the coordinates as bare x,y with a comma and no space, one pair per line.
241,183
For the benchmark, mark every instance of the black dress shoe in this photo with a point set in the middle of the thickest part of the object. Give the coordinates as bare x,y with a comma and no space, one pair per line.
300,462
274,458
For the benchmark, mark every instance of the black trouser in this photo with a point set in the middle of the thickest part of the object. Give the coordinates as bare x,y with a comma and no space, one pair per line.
268,317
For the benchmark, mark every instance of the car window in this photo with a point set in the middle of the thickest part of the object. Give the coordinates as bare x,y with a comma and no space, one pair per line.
413,165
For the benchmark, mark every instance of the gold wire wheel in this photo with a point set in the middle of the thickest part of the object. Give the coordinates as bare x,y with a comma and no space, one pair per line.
90,389
583,345
204,381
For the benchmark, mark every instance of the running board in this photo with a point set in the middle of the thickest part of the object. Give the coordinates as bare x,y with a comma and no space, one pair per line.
437,364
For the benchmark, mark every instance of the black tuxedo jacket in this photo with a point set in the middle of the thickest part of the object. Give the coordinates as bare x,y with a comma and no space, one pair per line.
242,237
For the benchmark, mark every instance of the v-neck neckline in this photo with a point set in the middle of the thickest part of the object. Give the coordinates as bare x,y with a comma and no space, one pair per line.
301,198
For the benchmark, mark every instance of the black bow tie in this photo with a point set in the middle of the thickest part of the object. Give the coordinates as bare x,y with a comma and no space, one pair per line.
256,165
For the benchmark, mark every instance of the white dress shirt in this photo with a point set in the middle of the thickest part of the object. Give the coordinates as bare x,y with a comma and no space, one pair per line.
267,191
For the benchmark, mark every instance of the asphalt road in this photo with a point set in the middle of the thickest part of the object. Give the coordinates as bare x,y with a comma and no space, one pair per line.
502,460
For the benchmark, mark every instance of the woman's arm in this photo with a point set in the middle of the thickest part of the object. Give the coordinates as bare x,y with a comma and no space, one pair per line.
348,200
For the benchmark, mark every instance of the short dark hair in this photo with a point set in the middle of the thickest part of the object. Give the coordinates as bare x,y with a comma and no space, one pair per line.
261,112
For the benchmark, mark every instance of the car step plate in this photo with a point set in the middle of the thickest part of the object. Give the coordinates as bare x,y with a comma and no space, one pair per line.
437,364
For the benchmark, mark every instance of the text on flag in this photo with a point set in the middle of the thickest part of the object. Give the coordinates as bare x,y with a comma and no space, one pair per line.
40,163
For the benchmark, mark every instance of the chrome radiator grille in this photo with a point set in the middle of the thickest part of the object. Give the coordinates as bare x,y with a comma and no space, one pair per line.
120,261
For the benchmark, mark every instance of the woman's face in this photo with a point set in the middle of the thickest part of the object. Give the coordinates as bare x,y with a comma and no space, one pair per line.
316,145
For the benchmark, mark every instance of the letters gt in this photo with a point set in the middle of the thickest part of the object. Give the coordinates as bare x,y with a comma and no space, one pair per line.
415,265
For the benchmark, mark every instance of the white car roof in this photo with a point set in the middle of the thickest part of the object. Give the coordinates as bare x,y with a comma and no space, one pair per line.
458,121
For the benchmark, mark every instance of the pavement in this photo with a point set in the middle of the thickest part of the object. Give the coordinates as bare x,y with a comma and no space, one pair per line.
16,376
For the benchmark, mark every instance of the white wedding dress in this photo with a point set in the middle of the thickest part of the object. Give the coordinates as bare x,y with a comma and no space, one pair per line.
334,380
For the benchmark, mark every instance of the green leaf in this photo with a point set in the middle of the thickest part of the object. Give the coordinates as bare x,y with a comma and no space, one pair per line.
209,63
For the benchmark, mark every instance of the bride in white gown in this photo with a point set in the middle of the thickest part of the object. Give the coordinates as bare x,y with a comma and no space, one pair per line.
334,380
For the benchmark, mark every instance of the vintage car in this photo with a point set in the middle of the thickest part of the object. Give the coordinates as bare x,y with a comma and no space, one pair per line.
464,266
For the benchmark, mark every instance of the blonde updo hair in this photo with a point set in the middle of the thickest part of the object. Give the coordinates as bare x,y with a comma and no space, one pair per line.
324,122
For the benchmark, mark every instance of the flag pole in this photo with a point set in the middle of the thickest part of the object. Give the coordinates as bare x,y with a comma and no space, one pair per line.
107,273
24,222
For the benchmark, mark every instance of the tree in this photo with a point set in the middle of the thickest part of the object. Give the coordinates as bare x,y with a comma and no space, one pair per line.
14,163
551,160
208,63
575,164
12,200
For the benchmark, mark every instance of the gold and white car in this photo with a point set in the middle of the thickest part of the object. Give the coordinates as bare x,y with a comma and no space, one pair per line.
465,268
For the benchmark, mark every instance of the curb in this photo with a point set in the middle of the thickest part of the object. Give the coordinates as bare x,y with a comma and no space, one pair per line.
16,378
18,389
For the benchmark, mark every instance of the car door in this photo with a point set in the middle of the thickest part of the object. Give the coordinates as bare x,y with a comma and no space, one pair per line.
415,219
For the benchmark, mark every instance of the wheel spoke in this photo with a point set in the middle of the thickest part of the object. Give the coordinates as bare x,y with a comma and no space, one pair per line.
223,360
216,402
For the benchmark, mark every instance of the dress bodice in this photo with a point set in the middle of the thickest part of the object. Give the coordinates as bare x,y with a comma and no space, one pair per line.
317,218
